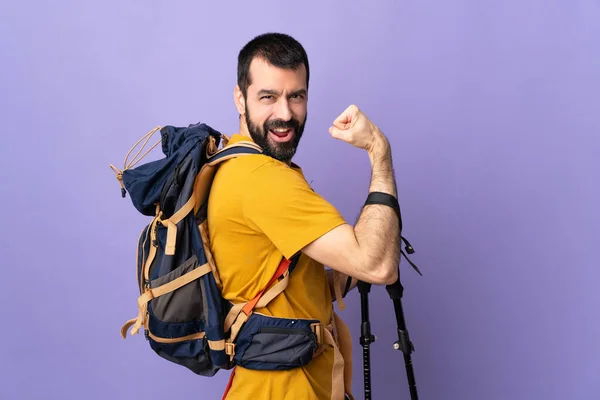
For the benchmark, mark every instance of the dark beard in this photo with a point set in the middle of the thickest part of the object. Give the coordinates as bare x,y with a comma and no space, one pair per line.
279,151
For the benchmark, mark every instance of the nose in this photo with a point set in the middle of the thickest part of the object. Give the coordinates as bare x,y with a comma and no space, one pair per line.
282,110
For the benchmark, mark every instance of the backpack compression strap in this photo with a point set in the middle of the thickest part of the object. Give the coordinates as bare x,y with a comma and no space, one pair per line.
153,293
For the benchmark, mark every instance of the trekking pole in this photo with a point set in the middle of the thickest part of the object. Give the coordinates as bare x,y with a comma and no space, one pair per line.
366,337
404,343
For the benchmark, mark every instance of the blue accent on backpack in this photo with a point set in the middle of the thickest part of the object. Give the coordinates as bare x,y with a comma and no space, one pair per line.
184,316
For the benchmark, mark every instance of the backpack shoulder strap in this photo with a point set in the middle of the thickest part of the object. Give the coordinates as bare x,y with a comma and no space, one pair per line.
240,148
207,172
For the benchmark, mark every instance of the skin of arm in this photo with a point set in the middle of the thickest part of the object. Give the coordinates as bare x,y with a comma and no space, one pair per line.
370,250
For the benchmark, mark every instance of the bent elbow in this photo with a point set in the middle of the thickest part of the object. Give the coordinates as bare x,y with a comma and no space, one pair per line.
390,276
385,275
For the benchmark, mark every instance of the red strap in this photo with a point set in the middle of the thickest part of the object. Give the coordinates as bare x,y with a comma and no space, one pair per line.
229,383
283,266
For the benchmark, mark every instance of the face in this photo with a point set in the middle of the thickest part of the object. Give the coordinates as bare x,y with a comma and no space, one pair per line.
275,108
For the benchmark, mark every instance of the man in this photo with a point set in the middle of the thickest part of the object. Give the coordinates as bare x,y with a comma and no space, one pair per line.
262,209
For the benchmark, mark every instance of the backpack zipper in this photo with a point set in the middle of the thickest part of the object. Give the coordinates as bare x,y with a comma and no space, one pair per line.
291,331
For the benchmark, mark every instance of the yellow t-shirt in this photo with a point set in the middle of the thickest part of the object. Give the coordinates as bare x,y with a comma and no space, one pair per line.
259,210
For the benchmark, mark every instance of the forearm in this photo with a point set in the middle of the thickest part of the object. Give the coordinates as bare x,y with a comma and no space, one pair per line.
377,230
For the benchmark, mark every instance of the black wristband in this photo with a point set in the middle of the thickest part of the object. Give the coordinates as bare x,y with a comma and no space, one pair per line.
385,199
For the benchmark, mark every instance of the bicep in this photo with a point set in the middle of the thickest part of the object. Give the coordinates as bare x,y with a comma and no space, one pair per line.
338,249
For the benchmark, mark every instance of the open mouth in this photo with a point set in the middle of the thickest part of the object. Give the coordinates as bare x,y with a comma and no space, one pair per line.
281,134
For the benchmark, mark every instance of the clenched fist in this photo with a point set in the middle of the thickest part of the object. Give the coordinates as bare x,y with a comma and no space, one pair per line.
352,126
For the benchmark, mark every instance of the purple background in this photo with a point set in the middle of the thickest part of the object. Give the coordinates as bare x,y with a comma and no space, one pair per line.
493,111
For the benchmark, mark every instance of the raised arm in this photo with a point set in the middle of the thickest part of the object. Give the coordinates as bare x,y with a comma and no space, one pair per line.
369,250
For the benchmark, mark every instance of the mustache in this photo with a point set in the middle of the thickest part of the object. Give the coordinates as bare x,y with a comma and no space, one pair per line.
281,124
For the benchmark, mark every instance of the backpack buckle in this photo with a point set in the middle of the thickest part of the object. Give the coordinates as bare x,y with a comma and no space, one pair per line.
318,331
230,349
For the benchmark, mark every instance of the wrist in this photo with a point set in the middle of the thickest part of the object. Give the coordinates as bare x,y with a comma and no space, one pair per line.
380,148
382,169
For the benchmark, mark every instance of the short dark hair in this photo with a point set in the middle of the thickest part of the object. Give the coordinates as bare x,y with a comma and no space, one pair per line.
278,49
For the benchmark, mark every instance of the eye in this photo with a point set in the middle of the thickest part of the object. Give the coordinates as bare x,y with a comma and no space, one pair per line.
269,98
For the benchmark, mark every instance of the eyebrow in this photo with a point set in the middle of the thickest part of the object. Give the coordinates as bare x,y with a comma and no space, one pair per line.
276,93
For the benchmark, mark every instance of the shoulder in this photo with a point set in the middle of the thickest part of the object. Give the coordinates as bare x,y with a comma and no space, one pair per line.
255,177
238,170
274,178
275,169
259,170
254,164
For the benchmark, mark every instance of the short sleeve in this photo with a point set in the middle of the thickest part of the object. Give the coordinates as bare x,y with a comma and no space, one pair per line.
279,203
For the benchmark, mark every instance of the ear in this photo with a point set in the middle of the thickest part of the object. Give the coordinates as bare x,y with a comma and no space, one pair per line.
238,98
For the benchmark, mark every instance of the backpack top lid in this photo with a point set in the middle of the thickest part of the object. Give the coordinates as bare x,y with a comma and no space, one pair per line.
147,182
